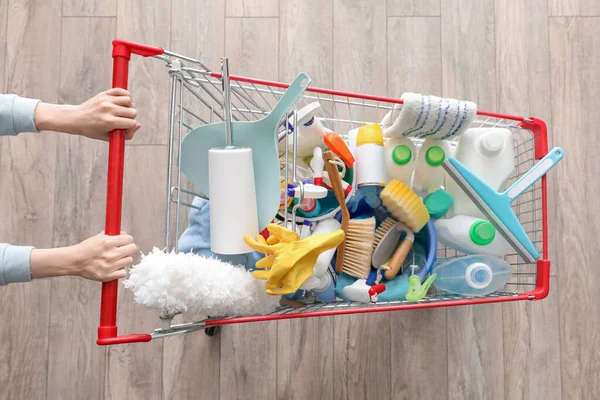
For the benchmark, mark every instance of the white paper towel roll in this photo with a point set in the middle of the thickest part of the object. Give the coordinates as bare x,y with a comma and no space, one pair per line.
233,212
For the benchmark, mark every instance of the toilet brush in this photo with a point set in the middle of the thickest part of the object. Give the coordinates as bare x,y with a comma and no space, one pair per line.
233,211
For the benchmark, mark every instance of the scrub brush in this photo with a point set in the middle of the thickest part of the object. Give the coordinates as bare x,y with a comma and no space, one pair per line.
354,253
405,205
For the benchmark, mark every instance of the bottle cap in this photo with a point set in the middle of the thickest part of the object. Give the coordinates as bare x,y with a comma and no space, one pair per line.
438,203
478,275
435,156
482,232
401,154
369,134
491,143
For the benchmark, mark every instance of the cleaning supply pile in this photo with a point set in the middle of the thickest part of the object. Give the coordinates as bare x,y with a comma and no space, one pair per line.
371,208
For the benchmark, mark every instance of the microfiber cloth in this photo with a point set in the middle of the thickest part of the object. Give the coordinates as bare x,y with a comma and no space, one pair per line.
396,289
196,238
429,117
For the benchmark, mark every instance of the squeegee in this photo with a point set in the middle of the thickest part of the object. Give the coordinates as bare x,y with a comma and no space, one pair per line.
497,206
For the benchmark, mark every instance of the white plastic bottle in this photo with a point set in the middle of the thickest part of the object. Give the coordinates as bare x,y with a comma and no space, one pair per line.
370,170
490,154
471,235
400,158
429,173
475,275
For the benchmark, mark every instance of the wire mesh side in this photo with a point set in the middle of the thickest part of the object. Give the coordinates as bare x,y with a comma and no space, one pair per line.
197,100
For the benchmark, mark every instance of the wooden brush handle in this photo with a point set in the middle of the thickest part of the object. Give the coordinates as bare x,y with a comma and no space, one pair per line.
397,259
338,190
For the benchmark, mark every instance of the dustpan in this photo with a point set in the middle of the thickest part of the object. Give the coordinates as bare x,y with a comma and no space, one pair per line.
260,136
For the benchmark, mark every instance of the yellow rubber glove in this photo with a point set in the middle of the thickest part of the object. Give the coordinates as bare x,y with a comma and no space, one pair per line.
290,266
278,239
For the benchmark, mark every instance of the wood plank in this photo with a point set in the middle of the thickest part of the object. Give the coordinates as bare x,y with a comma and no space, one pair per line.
361,359
468,51
135,371
362,356
407,8
76,364
148,22
252,8
248,361
191,362
304,48
575,61
305,354
475,354
414,64
252,47
27,171
3,25
413,56
305,346
531,340
89,8
566,8
419,353
475,334
532,348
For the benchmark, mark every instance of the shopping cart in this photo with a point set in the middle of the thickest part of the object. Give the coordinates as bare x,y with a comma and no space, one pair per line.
196,99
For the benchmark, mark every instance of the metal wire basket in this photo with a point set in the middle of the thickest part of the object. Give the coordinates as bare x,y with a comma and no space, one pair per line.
196,99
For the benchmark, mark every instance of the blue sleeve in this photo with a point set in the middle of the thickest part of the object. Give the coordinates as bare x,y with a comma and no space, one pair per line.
16,114
14,264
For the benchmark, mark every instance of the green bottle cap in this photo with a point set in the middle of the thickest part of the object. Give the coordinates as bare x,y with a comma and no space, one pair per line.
438,203
401,154
435,156
482,232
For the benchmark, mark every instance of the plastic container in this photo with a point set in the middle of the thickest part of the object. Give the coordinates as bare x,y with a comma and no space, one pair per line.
429,173
370,170
475,275
471,235
490,154
400,156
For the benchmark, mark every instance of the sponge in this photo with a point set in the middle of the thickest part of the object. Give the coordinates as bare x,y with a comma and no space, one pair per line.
404,205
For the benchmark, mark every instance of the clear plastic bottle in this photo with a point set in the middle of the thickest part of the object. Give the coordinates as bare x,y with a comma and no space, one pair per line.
475,275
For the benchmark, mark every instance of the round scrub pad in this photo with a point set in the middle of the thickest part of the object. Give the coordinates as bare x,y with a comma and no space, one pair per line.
404,205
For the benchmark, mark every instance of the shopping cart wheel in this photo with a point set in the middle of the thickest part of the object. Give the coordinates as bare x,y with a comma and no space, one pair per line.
212,330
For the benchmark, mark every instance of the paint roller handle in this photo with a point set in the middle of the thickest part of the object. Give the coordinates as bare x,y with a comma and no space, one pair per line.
107,331
535,173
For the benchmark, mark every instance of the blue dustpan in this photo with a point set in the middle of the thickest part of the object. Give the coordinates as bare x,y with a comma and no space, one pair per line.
260,136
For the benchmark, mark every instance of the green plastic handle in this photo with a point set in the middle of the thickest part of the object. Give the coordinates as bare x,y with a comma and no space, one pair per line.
288,99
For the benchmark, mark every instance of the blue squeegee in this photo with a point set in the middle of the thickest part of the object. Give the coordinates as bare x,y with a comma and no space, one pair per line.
496,206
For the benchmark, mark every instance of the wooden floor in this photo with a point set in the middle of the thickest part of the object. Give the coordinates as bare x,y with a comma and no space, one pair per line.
529,57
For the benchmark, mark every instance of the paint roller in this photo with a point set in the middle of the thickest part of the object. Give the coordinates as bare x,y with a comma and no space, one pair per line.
233,211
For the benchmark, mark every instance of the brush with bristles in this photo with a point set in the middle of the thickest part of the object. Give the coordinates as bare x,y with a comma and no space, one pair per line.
404,205
354,253
383,228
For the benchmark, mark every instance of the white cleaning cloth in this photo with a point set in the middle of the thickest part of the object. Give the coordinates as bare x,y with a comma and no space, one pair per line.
429,117
185,282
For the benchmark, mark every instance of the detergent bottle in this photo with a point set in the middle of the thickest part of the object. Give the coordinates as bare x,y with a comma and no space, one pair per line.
400,158
429,173
310,131
490,154
475,275
471,235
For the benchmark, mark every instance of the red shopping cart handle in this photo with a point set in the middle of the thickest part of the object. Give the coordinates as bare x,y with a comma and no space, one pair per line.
107,331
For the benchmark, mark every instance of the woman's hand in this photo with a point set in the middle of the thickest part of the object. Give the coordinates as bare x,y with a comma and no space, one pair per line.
95,119
100,258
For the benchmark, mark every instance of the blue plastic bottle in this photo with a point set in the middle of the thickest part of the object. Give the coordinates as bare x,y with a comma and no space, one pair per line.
475,275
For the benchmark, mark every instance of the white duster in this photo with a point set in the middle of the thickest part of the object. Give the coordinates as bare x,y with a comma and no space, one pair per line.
185,282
